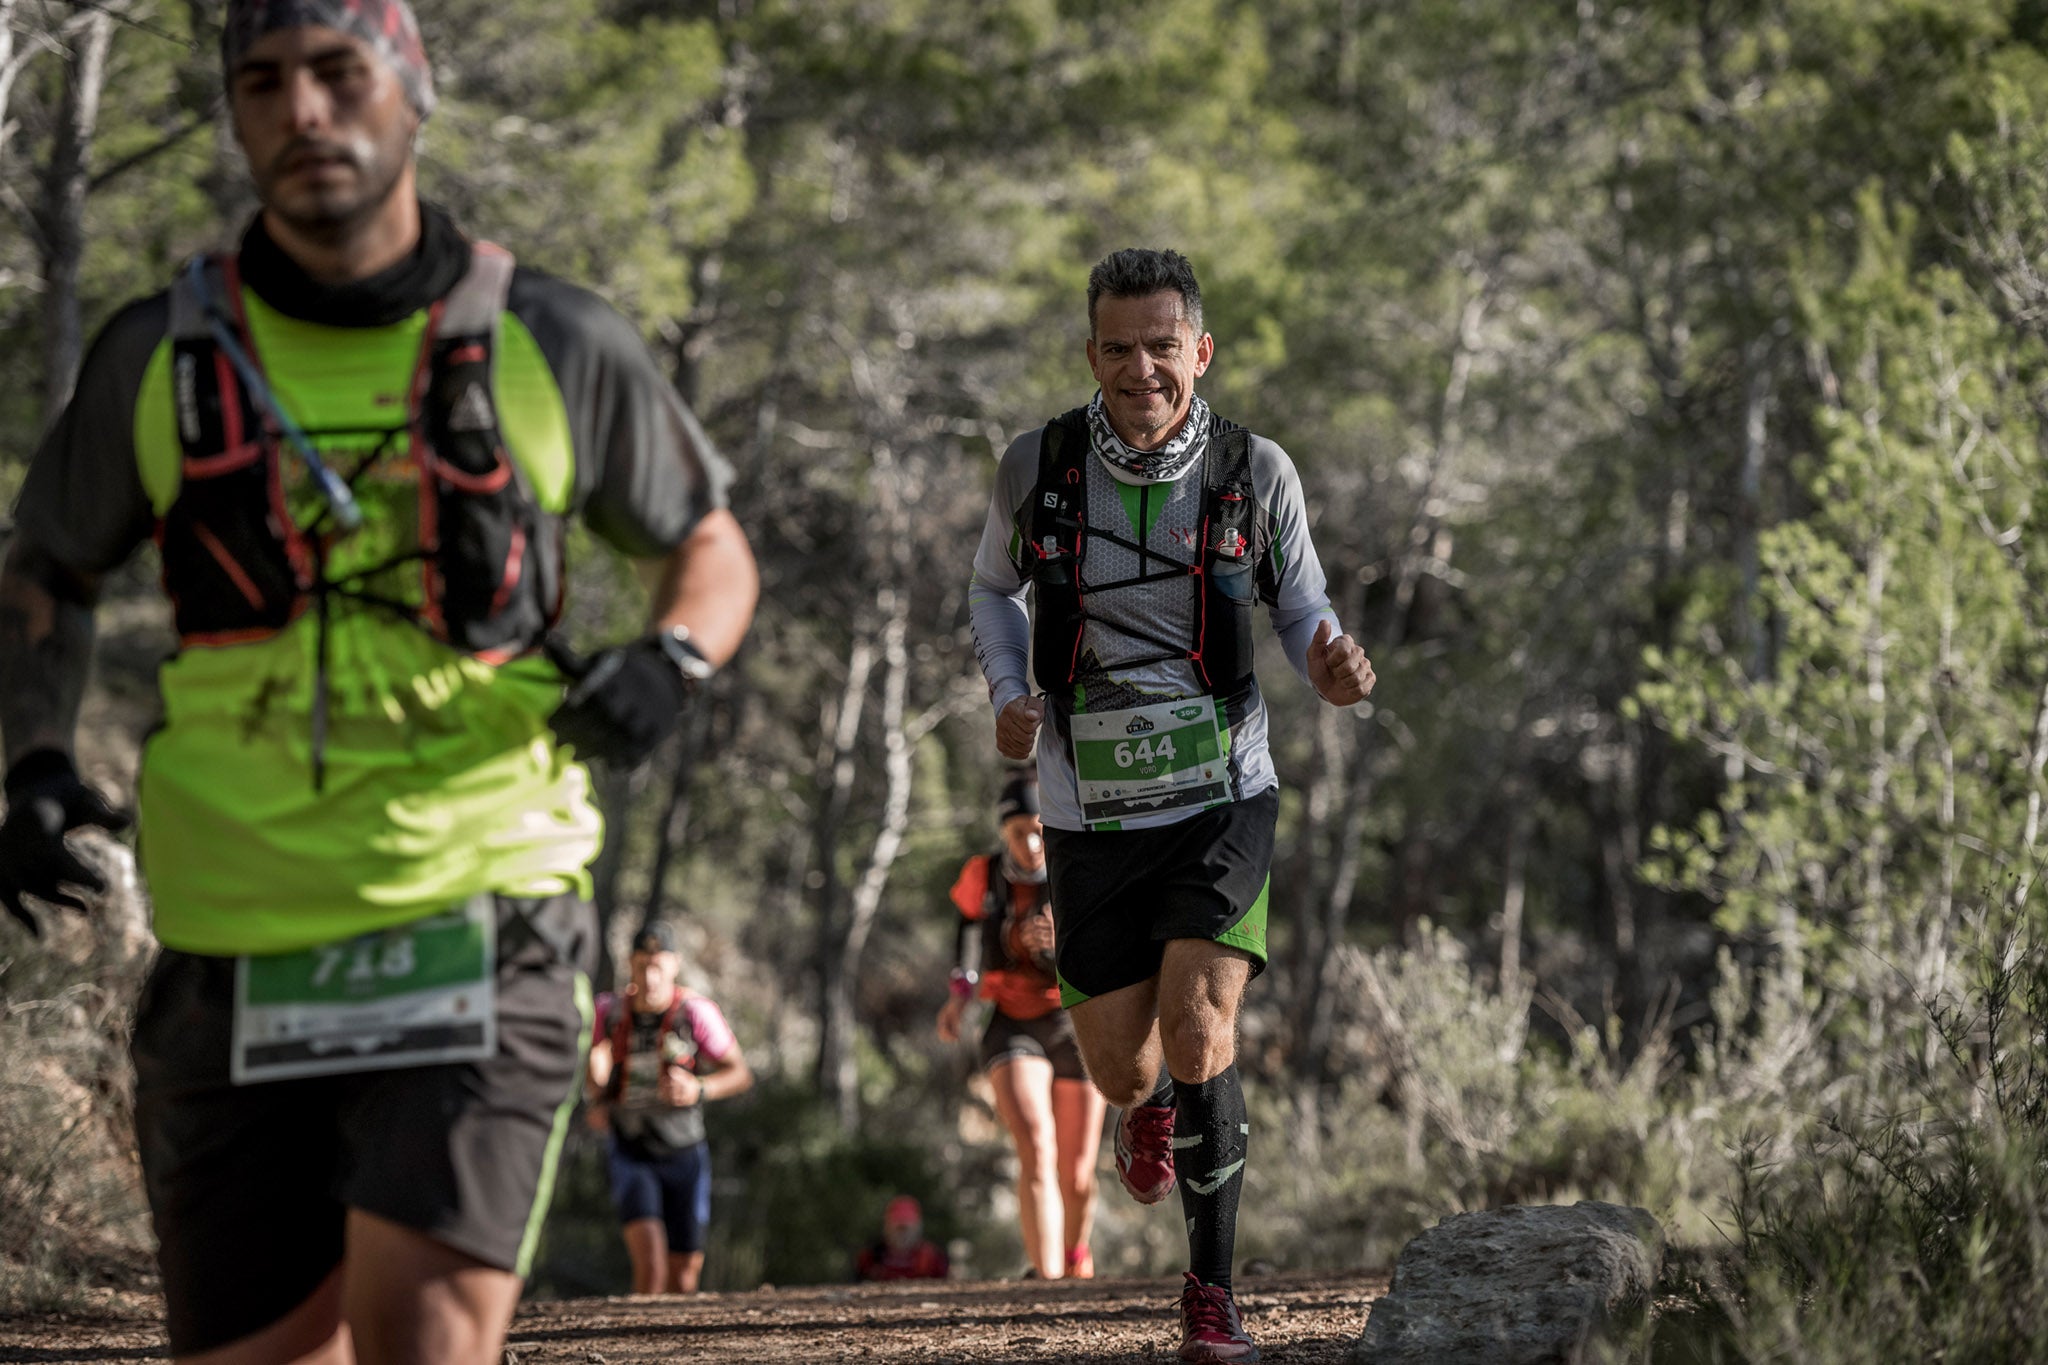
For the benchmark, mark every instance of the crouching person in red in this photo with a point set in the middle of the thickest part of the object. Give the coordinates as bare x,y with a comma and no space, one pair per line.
903,1253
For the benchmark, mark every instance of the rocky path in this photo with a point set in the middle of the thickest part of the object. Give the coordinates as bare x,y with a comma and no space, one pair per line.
1297,1320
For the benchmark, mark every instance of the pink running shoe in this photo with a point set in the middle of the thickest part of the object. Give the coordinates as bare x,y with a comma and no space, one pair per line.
1209,1326
1144,1151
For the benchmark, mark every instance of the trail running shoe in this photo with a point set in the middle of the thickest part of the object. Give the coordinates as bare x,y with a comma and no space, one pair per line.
1080,1263
1144,1151
1209,1326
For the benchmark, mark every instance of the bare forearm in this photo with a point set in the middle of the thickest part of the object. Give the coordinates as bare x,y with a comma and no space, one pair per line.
710,584
46,634
734,1078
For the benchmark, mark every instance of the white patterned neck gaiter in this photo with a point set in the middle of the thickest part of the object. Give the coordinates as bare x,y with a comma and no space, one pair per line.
1163,465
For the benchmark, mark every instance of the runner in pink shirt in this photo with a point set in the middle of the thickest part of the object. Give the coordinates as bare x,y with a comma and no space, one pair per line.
660,1051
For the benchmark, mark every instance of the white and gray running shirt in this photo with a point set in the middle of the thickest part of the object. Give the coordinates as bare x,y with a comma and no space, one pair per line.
1290,583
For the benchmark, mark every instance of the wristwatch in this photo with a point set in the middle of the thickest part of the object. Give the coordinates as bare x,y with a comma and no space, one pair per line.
688,659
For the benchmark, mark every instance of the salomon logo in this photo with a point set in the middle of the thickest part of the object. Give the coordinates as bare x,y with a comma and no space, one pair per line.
1139,726
472,411
1052,500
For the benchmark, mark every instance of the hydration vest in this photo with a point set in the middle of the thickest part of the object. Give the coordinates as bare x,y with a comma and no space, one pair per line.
237,567
620,1032
1001,921
1222,648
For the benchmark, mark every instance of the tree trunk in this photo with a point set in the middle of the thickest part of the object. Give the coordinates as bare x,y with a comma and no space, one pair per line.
60,217
1749,516
1321,810
836,768
675,820
837,1068
1513,895
10,67
614,797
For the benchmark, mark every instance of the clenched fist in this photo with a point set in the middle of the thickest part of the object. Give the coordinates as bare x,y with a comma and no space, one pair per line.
1338,668
1017,727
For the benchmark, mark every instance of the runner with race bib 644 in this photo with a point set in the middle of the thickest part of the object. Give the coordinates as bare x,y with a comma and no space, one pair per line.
1147,528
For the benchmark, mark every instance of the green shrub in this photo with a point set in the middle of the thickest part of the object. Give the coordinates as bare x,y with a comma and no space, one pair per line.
1915,1227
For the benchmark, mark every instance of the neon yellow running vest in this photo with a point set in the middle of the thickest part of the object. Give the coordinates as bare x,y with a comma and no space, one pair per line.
441,778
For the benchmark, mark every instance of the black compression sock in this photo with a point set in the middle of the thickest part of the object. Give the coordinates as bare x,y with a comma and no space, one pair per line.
1210,1133
1162,1094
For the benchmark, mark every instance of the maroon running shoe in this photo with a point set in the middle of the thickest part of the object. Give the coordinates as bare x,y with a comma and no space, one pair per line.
1144,1151
1209,1326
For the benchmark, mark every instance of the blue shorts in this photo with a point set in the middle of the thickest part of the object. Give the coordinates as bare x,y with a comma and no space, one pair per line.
676,1189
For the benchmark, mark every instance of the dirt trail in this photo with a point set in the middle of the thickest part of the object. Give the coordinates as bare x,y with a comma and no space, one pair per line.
1296,1319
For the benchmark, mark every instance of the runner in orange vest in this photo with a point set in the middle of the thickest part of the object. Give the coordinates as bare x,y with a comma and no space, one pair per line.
1054,1115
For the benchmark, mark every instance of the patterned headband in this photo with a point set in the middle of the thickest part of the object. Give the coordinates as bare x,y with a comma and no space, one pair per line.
386,25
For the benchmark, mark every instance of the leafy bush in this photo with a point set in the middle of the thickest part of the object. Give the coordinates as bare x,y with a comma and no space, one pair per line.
1915,1226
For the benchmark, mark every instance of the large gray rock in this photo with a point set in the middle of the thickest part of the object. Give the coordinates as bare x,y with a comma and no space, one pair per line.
1523,1285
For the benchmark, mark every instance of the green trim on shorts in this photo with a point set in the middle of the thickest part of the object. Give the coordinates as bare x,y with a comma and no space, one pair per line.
1249,933
545,1195
1070,995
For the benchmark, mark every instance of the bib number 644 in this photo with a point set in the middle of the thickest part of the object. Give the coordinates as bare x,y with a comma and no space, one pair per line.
1145,751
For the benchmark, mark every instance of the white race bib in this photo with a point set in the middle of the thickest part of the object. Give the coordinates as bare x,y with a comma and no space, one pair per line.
1166,756
418,994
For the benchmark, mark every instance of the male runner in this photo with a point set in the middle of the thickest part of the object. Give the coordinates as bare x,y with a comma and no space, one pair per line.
661,1052
356,440
1146,526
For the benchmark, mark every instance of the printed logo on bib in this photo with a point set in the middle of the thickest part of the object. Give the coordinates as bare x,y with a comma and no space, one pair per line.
415,995
1167,756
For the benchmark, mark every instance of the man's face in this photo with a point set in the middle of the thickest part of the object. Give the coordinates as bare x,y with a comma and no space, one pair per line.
325,124
654,975
1024,835
1146,358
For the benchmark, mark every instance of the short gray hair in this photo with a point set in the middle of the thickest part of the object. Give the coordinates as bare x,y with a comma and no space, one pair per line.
1138,271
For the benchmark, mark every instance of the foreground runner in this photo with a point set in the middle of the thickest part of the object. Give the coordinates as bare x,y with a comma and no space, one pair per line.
1146,527
1054,1115
659,1053
356,441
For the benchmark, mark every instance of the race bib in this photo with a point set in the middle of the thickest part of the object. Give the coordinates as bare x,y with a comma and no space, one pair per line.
1166,756
418,994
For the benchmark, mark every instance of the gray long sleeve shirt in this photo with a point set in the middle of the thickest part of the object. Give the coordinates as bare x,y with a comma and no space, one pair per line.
1290,583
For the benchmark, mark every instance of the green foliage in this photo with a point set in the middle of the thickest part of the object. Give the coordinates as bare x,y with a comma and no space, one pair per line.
1869,773
1908,1225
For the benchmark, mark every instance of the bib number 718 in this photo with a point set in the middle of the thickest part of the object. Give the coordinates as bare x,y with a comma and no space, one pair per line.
1145,751
366,960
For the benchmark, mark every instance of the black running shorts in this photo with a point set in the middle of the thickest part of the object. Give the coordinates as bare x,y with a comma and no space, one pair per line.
1050,1036
249,1186
1119,896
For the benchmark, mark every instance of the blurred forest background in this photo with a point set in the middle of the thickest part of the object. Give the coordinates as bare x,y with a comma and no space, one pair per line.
1669,382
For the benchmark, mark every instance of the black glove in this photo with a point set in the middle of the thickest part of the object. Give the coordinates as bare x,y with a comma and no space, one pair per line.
622,703
45,801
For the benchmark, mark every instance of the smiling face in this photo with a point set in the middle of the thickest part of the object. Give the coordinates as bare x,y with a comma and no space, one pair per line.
1146,358
326,126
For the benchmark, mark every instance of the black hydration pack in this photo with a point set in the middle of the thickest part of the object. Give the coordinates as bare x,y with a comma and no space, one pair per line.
1227,566
235,564
1014,939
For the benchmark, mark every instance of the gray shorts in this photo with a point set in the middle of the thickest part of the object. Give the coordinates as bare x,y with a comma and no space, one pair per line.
250,1186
